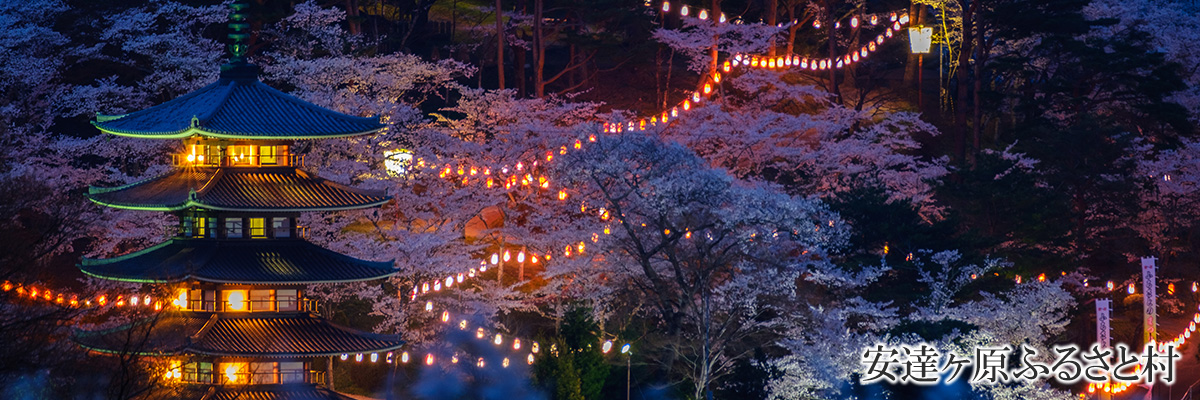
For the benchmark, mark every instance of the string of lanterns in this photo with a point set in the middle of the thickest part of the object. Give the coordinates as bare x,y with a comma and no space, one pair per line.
1179,341
59,298
496,338
818,64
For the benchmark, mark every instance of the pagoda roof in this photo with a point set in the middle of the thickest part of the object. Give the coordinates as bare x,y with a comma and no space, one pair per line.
247,261
237,106
251,189
263,392
272,335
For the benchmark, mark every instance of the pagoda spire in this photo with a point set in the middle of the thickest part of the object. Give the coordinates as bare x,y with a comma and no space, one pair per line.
239,34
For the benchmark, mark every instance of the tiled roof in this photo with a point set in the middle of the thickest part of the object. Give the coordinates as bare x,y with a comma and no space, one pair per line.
249,261
239,107
239,335
268,392
237,189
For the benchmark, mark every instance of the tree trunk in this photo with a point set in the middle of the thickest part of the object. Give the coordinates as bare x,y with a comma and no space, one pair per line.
500,44
833,56
520,60
977,115
771,9
910,67
964,60
352,17
713,63
539,51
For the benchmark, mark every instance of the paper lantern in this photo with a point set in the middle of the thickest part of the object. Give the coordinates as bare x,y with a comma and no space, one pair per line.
920,39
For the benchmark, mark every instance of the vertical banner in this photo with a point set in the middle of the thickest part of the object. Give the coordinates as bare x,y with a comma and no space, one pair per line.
1103,322
1149,299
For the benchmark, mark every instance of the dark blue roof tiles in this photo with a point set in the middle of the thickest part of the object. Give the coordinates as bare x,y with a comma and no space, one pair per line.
281,189
285,335
238,335
248,261
240,109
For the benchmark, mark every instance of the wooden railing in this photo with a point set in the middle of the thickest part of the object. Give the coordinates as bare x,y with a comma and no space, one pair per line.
196,160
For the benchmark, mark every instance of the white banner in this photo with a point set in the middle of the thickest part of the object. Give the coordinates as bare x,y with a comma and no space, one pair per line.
1103,322
1149,299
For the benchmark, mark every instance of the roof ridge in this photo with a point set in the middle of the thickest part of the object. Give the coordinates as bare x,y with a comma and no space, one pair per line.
199,335
204,188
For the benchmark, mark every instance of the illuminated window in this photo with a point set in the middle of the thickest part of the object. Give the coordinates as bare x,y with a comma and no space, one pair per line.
174,371
212,227
258,229
292,372
241,155
234,373
181,299
198,372
281,227
235,300
262,300
267,155
264,373
233,227
186,227
201,227
206,303
396,162
286,299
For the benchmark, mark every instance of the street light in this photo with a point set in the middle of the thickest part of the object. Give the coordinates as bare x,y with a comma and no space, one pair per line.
628,361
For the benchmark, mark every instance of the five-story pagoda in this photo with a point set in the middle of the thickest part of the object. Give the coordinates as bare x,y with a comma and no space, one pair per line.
240,324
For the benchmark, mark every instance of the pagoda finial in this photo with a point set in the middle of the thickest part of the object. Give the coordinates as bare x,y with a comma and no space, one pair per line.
239,33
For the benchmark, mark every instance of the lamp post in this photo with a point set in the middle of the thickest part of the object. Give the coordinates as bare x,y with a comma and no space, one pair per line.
628,362
919,40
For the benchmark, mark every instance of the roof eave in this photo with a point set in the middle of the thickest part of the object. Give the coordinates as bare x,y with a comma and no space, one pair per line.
193,131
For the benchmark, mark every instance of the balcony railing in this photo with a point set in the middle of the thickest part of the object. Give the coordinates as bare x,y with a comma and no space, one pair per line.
285,305
197,160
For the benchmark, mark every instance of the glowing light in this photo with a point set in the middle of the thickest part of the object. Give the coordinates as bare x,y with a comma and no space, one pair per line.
1170,288
499,339
1131,289
666,6
507,256
445,316
495,258
534,348
683,10
358,357
1110,286
516,344
429,306
920,39
345,356
1042,278
231,373
374,357
236,300
529,359
454,358
479,333
521,257
853,22
703,14
429,359
606,347
625,349
722,19
505,362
